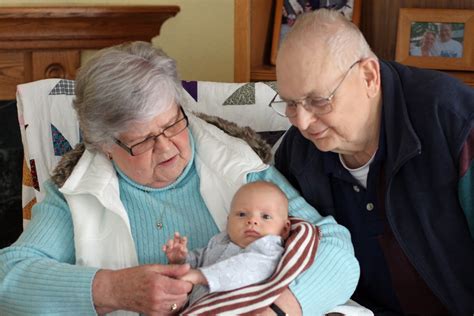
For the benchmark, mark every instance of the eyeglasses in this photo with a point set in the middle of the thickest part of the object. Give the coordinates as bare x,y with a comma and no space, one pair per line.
170,131
316,106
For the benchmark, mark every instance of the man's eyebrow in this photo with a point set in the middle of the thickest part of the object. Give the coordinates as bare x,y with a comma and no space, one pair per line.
312,94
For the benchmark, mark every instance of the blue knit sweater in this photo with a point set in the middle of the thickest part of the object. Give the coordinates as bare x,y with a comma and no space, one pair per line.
38,275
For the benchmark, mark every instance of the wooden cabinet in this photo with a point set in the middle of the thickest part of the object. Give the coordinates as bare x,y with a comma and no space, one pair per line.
252,40
379,19
45,42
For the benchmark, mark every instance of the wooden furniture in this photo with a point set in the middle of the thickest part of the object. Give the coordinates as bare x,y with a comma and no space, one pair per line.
45,42
383,15
254,22
253,32
252,40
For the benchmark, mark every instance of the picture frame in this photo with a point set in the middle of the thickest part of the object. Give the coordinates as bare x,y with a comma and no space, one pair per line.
351,7
436,38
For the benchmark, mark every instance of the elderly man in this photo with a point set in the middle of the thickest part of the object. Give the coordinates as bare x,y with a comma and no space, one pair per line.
388,151
446,46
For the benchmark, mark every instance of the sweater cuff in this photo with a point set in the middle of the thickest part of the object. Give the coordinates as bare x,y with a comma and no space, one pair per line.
213,282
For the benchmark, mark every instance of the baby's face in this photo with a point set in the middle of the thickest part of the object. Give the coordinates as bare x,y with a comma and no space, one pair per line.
257,212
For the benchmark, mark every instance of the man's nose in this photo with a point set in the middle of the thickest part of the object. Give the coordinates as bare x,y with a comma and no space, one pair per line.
303,117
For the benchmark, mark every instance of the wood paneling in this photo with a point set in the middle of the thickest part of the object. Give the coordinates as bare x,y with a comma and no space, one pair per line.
12,73
45,42
378,22
242,40
55,64
253,31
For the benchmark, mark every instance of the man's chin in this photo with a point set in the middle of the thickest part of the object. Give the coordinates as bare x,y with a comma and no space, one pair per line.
324,144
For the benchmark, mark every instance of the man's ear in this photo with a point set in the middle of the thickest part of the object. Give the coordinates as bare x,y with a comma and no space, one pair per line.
371,75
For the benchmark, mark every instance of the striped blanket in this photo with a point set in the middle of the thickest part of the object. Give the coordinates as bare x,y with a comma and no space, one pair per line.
300,250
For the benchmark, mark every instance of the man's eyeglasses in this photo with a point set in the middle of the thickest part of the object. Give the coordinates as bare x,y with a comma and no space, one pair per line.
316,106
170,131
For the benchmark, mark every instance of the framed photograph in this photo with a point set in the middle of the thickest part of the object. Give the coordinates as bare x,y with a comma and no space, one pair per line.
436,38
287,11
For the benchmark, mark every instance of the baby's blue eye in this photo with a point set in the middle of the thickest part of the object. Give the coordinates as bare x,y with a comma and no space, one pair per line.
266,216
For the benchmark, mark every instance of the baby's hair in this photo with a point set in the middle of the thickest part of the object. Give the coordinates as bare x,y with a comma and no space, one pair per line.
258,184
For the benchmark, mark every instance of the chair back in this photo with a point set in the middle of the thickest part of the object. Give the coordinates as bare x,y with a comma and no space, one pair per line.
49,126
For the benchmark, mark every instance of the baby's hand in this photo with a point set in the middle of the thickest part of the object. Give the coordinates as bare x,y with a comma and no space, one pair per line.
176,249
194,276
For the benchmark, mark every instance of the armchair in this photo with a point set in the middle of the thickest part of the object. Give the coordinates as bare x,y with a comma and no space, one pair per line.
49,127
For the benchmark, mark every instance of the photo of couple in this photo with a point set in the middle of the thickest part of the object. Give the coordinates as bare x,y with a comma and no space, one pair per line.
437,39
293,8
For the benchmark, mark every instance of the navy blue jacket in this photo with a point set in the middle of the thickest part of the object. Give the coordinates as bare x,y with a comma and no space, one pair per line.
427,117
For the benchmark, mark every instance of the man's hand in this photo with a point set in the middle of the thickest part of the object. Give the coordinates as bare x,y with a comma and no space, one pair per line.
176,249
148,289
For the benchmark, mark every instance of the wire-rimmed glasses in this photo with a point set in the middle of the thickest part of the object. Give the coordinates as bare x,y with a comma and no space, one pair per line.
318,106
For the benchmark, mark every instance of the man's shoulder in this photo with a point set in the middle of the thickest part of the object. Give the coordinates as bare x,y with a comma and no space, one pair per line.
295,148
414,77
424,87
455,44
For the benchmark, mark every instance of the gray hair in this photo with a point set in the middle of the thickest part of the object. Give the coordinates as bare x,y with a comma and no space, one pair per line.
120,85
341,39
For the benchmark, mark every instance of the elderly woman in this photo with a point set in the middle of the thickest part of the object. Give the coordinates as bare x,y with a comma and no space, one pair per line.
148,169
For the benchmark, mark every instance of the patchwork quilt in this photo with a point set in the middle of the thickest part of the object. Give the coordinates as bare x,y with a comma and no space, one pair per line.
49,126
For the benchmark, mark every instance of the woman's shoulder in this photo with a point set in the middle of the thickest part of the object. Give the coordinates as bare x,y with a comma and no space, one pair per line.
67,163
252,138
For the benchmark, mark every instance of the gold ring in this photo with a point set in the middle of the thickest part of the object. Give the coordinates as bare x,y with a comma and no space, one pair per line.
173,307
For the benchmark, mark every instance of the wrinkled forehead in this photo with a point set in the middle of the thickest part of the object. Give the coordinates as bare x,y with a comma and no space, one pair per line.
302,68
142,126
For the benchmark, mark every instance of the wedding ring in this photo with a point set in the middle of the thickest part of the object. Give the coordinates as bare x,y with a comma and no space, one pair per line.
173,307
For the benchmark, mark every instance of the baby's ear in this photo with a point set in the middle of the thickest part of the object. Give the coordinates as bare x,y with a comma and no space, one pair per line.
286,229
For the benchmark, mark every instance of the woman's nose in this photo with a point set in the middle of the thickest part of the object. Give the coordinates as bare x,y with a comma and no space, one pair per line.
162,143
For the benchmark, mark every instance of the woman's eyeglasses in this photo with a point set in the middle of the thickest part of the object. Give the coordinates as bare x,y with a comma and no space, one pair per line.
147,144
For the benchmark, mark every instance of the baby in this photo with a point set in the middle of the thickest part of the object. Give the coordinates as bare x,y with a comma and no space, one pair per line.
250,249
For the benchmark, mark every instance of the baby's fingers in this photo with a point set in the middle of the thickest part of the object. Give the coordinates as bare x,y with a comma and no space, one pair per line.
184,241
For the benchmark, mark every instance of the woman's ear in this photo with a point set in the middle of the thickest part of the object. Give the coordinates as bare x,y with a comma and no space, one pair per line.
371,75
106,150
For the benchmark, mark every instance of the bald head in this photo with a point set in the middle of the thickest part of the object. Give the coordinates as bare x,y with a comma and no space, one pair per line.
262,190
328,35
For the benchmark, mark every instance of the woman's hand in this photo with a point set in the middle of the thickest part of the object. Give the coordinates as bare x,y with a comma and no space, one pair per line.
149,289
176,249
